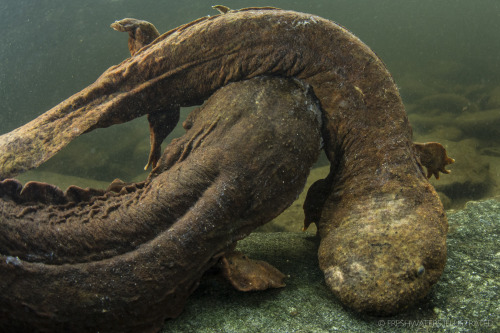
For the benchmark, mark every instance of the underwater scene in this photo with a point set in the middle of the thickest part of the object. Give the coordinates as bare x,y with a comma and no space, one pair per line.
444,57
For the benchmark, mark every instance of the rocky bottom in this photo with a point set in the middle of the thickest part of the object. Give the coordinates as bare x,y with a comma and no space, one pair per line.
464,300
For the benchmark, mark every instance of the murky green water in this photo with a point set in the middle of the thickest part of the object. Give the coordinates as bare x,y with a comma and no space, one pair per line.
444,55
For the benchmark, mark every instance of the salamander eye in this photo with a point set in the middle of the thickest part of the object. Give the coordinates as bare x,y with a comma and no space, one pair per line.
420,271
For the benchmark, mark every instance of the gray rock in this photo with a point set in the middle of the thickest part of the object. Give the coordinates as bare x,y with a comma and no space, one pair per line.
445,103
439,133
480,124
413,88
427,123
466,299
494,98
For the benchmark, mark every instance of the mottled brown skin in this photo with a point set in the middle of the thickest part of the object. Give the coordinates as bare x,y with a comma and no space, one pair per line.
432,156
123,262
382,226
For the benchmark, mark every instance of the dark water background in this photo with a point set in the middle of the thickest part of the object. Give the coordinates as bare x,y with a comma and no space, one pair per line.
51,49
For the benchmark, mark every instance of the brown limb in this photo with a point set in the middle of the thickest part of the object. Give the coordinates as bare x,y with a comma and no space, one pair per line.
140,33
246,274
433,156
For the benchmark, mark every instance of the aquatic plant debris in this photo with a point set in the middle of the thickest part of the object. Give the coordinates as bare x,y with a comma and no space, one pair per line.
116,253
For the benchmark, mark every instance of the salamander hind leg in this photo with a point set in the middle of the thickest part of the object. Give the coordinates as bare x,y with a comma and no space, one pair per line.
247,274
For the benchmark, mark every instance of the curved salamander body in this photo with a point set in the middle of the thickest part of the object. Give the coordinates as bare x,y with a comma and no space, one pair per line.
382,226
122,262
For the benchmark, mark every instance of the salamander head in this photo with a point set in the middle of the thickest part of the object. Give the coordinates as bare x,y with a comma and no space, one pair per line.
385,260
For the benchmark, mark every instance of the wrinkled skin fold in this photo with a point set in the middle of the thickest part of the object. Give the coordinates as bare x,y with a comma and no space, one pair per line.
382,226
243,160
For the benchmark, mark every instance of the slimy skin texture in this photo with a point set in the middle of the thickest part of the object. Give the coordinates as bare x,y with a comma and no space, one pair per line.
123,262
382,226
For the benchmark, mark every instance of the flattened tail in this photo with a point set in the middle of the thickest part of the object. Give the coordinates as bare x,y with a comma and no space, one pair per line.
34,143
27,147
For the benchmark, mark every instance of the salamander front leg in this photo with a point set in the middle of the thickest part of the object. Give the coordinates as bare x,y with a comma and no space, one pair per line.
433,156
